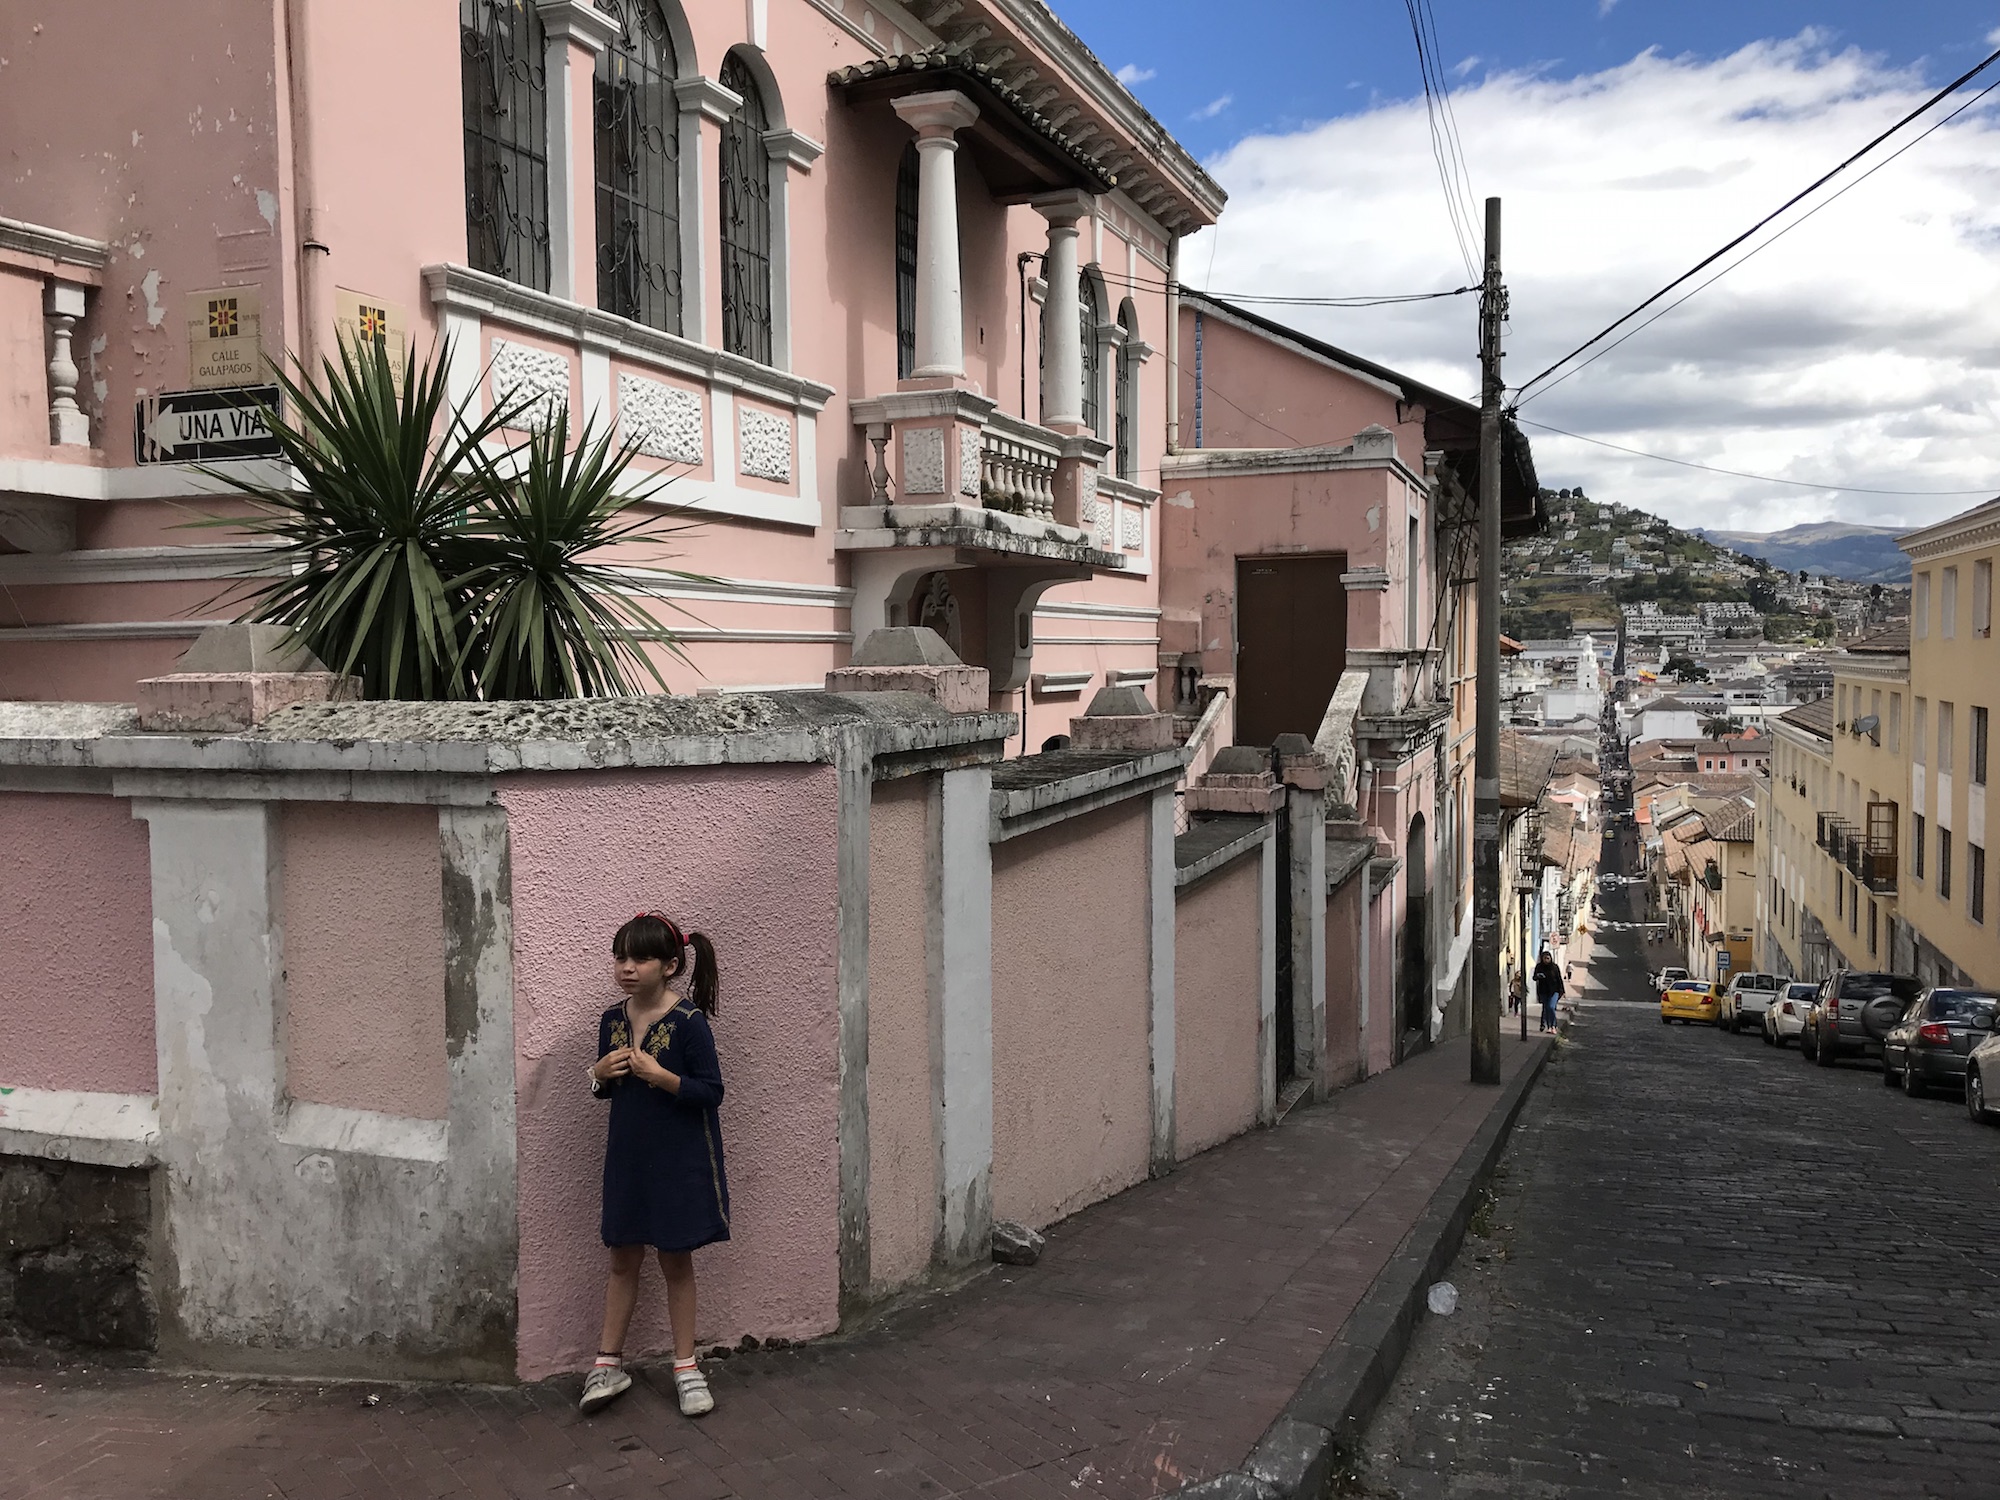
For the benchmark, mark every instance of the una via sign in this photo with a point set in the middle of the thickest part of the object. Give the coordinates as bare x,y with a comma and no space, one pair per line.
178,426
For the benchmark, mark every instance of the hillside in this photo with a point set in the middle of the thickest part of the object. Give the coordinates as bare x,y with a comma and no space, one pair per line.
1863,554
1594,556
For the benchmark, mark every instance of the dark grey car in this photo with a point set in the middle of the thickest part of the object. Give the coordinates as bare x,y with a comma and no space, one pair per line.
1855,1010
1931,1043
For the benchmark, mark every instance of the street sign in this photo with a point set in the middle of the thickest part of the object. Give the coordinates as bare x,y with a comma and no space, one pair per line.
179,426
1722,960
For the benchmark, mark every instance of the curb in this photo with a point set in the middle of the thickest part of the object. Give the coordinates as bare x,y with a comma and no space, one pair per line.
1295,1458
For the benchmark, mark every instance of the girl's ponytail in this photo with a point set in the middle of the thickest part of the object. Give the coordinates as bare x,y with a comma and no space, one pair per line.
704,982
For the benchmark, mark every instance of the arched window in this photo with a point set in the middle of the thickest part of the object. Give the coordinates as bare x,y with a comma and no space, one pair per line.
906,264
1126,454
504,95
1090,314
638,169
746,219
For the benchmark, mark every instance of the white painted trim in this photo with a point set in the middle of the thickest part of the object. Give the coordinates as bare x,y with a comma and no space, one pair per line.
1132,676
365,1132
110,630
1060,684
460,289
743,590
715,636
60,246
1267,983
109,1130
1227,463
1160,1013
1097,640
44,477
202,560
1085,610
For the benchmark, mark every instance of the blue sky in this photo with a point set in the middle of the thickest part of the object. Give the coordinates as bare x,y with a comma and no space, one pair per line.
1284,63
1628,140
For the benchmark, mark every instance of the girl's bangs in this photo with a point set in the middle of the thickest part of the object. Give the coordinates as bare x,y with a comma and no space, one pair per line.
646,937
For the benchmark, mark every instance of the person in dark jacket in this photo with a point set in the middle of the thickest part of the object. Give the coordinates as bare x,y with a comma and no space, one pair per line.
1548,989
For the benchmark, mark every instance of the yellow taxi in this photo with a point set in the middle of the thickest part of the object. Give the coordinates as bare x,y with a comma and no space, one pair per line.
1689,1001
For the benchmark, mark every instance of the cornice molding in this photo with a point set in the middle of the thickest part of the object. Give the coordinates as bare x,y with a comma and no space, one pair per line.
53,244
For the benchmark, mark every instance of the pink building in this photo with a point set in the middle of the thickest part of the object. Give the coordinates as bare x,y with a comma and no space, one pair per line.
890,301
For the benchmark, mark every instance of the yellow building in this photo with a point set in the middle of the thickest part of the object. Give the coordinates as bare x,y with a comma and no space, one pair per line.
1946,928
1860,831
1794,875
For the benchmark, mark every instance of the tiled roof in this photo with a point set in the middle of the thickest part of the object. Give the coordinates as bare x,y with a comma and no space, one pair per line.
947,64
1525,764
1814,718
1734,824
1894,640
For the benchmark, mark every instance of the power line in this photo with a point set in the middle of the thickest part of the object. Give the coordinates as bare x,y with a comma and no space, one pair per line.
1757,250
1687,463
1709,260
1460,225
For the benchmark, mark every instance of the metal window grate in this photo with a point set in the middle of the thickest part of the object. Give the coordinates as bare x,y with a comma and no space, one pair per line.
504,96
637,129
906,263
1126,428
746,219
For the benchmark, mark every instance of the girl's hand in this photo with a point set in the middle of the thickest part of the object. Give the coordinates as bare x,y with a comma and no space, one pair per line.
614,1064
647,1070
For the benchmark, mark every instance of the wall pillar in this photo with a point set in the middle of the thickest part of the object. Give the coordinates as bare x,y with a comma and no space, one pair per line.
1267,983
576,31
937,118
1062,312
1304,775
1160,1028
961,984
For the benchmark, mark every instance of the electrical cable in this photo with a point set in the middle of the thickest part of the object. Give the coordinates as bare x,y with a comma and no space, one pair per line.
1439,152
1521,391
1687,463
1757,250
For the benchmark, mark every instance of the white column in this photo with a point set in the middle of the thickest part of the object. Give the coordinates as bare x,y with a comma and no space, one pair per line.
62,304
570,159
1062,312
937,118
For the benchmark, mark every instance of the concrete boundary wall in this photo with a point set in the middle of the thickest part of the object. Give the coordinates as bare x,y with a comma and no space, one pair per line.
1225,983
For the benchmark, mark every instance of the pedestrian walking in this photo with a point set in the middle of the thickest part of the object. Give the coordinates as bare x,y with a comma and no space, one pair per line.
1517,994
1548,989
664,1184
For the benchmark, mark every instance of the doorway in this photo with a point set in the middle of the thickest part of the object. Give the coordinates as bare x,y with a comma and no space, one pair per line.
1291,643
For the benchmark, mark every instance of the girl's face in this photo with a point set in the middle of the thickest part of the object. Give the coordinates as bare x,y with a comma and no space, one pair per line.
640,976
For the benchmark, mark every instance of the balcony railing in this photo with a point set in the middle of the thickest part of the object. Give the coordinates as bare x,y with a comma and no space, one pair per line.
1017,467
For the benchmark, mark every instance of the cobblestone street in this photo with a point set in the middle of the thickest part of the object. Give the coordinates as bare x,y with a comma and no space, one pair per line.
1710,1269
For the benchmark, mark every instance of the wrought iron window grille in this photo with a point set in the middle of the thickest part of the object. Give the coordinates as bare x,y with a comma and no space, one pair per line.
1088,317
503,85
906,263
746,218
637,140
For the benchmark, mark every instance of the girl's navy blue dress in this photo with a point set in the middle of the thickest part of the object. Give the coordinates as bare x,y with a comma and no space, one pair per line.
663,1180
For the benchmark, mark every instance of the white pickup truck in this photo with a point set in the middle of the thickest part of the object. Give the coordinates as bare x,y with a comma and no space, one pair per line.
1749,995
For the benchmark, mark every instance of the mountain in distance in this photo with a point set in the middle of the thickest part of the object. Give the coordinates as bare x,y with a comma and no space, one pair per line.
1861,554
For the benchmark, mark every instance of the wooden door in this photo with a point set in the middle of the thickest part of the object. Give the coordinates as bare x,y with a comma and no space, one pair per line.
1291,643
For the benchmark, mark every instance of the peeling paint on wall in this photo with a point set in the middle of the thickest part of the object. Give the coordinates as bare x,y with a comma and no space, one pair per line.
267,205
1374,518
156,310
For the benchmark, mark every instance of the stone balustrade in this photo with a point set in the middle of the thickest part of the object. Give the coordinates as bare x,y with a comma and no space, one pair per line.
1018,463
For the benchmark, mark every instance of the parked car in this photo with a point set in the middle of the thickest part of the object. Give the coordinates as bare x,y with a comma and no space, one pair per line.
1689,1001
1785,1016
1666,977
1935,1038
1984,1063
1854,1011
1749,995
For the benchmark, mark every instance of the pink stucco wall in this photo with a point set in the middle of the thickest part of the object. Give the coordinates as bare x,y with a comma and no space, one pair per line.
76,945
1217,959
364,957
1343,982
747,855
902,1136
1072,1092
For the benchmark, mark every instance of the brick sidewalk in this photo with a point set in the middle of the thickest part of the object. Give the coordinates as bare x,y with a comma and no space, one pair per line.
1158,1338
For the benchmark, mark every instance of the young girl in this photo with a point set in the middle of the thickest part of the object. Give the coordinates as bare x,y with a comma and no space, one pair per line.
663,1179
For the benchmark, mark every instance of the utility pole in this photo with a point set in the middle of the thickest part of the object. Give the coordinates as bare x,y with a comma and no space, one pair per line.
1486,980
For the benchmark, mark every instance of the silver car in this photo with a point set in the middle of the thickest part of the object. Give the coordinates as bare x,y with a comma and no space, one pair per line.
1984,1063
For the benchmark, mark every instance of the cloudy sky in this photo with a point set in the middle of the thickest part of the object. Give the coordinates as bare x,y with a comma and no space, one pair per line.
1628,138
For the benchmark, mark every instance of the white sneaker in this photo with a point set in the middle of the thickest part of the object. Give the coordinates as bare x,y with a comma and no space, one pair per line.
692,1387
602,1385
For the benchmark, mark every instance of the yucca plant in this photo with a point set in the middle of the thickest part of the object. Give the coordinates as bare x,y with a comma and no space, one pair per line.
546,621
431,567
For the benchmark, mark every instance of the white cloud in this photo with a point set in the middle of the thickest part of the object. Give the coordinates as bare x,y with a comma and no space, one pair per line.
1132,74
1605,7
1466,65
1213,108
1861,349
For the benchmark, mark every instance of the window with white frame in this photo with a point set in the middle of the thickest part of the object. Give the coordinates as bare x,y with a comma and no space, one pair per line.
744,194
504,100
1982,598
636,129
1948,604
1126,453
1920,605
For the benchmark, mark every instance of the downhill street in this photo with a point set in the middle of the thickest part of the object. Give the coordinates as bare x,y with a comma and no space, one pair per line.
1710,1269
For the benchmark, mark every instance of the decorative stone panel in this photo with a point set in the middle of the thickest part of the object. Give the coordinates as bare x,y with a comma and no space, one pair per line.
923,461
1093,515
541,376
765,443
660,420
1132,528
970,448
